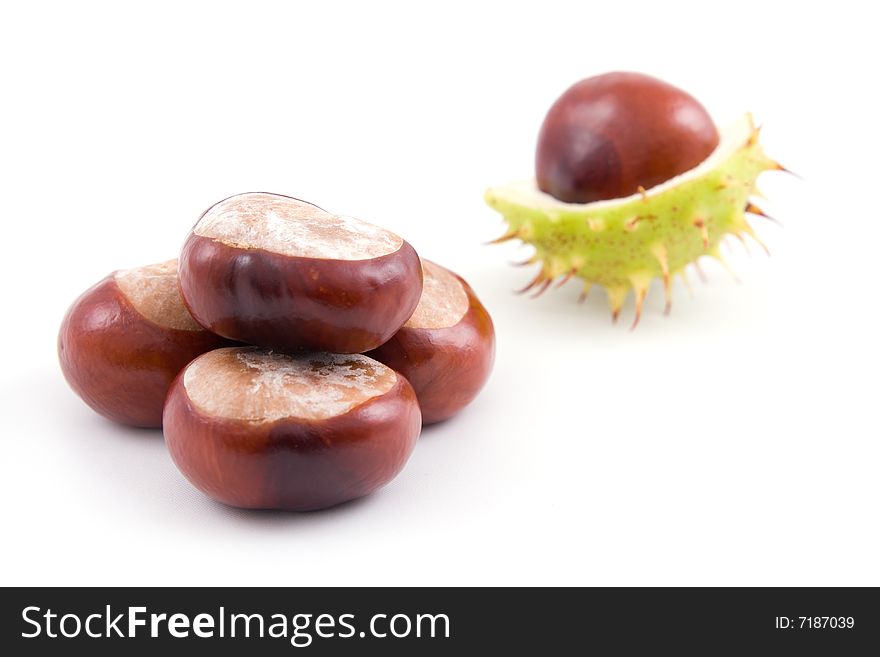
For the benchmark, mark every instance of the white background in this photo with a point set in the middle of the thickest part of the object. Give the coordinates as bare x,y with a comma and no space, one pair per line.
734,442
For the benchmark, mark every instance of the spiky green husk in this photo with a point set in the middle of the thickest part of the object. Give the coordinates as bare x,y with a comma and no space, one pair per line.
625,243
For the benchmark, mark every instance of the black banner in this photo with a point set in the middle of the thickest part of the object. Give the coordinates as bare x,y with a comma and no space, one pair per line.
102,621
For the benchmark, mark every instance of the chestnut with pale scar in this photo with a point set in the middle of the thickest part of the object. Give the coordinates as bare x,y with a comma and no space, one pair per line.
446,349
279,272
154,293
124,340
257,429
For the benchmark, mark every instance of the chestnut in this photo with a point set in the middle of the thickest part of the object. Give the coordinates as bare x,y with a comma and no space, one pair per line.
446,349
123,341
257,429
278,272
609,135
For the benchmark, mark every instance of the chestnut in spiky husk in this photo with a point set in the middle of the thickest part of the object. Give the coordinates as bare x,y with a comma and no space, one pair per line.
634,182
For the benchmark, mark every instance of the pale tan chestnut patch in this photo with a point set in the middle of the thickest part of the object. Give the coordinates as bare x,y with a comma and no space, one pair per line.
247,383
291,227
443,302
153,292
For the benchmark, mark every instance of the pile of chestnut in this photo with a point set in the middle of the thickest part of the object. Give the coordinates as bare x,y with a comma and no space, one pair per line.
290,355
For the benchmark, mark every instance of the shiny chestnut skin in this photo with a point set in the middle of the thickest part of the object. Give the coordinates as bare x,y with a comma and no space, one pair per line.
262,430
608,135
278,272
446,352
121,356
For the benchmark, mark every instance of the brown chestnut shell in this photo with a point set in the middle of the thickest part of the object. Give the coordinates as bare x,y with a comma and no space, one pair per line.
448,366
298,303
121,363
293,464
609,135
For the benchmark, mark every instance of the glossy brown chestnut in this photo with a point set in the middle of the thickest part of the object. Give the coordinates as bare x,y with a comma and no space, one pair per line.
446,349
124,340
257,429
608,135
278,272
